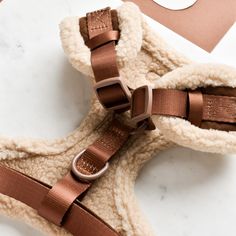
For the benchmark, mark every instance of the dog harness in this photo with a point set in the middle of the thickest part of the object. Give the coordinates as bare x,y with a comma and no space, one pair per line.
207,107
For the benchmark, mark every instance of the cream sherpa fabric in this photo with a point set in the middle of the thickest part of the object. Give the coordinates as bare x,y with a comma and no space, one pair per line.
143,58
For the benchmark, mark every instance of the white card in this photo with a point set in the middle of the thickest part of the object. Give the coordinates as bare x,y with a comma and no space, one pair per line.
176,4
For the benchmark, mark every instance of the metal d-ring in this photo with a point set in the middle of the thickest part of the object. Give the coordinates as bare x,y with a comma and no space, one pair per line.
84,177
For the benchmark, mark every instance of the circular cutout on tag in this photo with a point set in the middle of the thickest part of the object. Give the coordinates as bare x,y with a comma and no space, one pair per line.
176,4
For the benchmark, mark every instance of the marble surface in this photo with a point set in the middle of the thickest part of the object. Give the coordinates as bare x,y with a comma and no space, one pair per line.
182,192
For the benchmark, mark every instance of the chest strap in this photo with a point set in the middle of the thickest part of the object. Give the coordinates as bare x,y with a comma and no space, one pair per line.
207,105
100,32
79,221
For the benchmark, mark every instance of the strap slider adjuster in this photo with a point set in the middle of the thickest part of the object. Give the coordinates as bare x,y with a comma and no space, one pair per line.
113,94
141,106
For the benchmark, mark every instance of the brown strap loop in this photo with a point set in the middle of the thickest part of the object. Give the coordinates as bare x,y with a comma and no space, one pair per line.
195,113
59,199
101,39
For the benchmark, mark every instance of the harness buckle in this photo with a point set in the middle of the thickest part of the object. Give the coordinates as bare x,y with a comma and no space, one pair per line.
141,106
84,177
113,94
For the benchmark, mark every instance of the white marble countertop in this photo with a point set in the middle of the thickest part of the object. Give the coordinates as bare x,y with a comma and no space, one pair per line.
182,192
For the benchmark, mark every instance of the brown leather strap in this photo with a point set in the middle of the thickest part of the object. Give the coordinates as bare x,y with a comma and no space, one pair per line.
219,108
192,105
83,25
103,59
110,142
104,63
220,91
169,102
59,199
100,35
79,221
